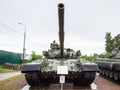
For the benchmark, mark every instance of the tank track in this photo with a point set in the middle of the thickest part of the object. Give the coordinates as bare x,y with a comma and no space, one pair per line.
33,79
110,73
110,70
86,79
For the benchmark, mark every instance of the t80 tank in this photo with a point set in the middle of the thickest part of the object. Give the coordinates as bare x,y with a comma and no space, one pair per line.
58,61
110,66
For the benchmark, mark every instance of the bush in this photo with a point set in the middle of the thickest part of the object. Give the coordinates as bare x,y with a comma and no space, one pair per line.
88,58
35,56
27,61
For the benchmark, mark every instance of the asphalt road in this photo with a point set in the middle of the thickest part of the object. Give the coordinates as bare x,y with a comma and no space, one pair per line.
4,76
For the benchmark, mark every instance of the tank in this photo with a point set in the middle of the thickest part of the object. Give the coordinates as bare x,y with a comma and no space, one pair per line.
110,66
59,61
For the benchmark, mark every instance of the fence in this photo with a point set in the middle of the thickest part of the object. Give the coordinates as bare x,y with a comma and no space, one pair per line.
9,57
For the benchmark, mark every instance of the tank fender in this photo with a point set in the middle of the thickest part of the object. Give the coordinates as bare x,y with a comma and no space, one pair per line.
31,68
89,68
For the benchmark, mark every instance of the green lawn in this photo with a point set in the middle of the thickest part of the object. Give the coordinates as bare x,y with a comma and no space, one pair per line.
2,70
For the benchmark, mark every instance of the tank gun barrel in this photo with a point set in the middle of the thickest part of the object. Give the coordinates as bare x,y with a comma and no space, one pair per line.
61,28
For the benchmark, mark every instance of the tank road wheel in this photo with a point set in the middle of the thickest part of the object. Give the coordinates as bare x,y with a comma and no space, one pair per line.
110,74
103,72
33,79
100,71
115,75
106,73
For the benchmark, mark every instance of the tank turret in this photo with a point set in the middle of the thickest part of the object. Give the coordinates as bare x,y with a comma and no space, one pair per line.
54,52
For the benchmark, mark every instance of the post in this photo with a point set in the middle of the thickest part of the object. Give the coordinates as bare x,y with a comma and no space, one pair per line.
62,80
23,57
61,86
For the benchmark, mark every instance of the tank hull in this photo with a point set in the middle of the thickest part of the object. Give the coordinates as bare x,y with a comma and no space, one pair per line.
78,73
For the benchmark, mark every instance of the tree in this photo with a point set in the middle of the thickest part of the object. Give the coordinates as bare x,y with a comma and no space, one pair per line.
109,42
116,41
102,55
88,58
35,56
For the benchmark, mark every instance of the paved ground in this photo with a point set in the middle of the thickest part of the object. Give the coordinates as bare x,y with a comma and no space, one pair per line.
106,84
4,76
58,87
100,83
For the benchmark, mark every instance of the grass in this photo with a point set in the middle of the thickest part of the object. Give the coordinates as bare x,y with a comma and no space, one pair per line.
3,70
14,83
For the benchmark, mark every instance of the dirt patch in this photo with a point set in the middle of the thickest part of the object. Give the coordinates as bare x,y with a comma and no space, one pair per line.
15,83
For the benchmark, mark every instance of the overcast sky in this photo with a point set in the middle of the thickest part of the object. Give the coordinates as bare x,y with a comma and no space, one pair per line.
86,23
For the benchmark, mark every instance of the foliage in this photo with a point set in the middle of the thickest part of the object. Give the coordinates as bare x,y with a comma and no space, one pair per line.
35,56
27,61
109,42
102,55
89,58
116,41
112,43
